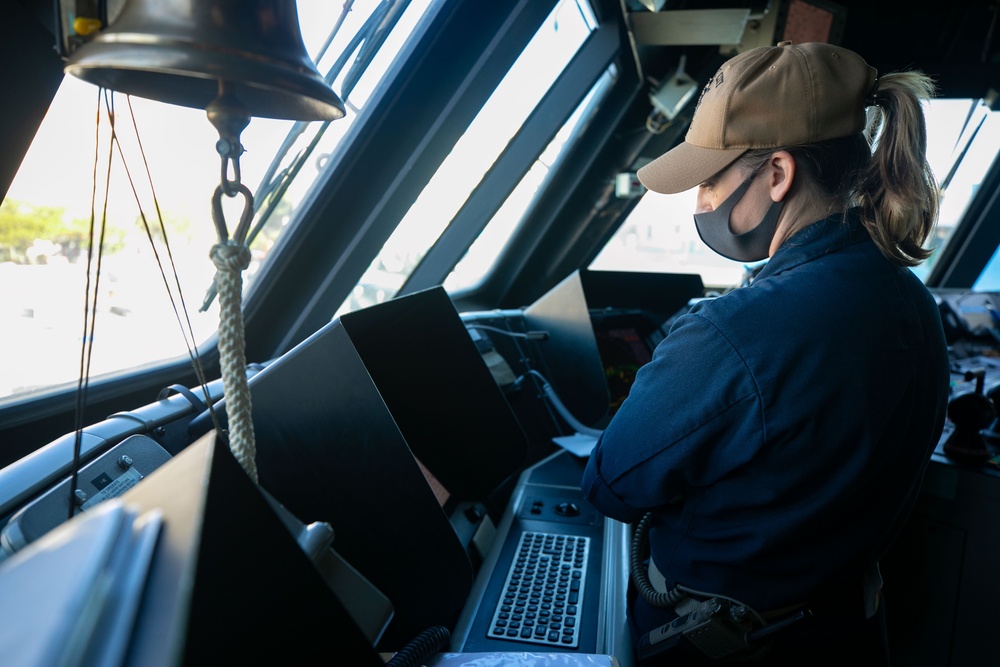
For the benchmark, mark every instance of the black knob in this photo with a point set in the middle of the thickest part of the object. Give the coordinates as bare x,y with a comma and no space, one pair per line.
970,413
567,509
972,410
992,432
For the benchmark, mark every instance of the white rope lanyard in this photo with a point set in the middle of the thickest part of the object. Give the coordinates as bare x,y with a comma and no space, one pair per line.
231,257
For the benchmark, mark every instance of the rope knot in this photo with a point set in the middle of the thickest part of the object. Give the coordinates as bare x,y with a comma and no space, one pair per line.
230,256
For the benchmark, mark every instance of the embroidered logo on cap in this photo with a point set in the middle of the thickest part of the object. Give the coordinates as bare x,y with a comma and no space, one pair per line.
714,82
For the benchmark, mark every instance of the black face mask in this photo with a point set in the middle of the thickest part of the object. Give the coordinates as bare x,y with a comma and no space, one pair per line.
750,246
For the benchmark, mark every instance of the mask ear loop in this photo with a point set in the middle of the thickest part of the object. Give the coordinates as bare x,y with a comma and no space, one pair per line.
770,219
726,243
737,194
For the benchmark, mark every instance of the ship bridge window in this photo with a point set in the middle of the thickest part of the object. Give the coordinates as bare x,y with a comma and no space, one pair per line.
520,92
659,235
45,216
483,253
963,138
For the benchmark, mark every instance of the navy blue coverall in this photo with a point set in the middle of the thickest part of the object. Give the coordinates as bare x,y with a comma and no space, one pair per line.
781,431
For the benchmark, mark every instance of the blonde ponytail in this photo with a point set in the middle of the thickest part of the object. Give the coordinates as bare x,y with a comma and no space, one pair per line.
897,193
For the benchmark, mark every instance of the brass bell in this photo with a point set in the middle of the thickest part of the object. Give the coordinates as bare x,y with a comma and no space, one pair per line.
182,51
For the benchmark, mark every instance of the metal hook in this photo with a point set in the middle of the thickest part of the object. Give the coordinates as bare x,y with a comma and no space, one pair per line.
230,156
219,218
230,118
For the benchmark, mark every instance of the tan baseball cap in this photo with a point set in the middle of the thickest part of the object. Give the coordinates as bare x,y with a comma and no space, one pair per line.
767,97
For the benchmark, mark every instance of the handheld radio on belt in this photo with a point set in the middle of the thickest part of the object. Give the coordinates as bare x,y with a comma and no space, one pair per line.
718,626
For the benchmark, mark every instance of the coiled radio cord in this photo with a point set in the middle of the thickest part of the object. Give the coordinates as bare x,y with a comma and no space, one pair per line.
640,572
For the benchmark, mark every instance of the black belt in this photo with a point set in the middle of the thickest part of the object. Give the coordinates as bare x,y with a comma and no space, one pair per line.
841,598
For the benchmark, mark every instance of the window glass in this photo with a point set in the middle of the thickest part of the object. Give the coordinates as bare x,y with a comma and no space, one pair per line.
989,279
533,73
659,234
483,253
45,217
963,137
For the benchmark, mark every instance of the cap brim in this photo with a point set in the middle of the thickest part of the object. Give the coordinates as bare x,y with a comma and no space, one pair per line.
685,166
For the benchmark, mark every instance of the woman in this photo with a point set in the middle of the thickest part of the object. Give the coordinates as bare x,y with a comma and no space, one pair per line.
776,442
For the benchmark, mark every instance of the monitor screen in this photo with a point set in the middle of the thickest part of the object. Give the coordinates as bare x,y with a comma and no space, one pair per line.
440,392
328,449
624,344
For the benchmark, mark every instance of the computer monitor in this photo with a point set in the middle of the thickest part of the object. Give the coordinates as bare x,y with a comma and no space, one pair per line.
596,320
440,392
328,449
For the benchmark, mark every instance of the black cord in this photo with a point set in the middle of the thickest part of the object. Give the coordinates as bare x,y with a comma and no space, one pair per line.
422,648
556,403
640,576
528,335
90,309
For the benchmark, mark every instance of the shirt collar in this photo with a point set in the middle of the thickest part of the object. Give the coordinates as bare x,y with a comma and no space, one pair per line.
820,238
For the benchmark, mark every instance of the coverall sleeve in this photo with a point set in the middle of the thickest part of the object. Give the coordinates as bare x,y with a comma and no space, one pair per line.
693,415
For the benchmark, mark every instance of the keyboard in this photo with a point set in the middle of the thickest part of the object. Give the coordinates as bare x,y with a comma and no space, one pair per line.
542,596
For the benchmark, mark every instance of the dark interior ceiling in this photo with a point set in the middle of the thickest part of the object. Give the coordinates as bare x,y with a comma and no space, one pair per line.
954,42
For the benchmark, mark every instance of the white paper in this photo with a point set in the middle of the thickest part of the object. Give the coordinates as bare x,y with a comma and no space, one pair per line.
577,444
